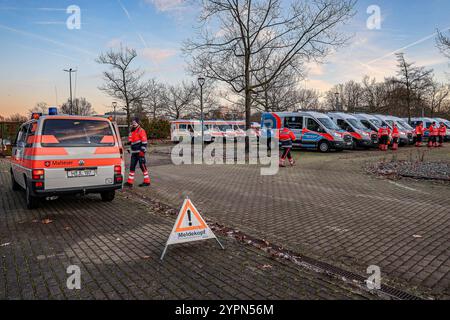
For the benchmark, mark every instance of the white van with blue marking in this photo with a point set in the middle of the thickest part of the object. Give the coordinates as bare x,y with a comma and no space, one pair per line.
313,130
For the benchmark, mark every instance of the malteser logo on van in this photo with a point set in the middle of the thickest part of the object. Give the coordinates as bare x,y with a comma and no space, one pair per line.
47,163
62,163
81,162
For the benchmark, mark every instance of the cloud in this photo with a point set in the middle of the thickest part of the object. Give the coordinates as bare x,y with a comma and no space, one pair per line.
166,5
114,43
157,55
44,39
127,13
431,36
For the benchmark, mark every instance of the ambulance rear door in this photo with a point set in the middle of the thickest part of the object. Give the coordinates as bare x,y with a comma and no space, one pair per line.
78,153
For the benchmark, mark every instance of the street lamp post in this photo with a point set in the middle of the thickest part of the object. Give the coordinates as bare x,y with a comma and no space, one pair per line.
114,104
201,83
70,71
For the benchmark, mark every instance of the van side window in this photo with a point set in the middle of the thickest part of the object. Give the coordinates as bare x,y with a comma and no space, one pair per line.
293,122
21,136
182,127
31,132
312,125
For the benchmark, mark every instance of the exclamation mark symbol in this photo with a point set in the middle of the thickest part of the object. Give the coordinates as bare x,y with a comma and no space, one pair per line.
189,217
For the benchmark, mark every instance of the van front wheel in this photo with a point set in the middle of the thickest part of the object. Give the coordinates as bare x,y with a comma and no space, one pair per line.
324,146
108,196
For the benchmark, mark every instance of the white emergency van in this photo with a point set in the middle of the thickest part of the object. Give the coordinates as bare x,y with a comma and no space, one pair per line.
362,136
58,154
189,129
313,130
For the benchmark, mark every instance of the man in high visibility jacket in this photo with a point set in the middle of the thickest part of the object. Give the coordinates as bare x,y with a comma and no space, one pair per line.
286,137
383,137
138,142
442,134
419,134
395,137
432,140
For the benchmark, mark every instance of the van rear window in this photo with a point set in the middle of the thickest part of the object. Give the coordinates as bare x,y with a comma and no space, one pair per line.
77,133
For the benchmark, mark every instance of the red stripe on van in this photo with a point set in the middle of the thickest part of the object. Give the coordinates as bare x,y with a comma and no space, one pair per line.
45,152
107,139
70,163
49,139
107,150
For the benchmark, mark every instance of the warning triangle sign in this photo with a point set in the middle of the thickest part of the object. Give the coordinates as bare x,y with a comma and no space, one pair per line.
189,219
189,226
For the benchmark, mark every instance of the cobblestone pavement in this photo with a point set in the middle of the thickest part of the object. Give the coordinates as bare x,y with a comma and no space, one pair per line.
117,246
328,208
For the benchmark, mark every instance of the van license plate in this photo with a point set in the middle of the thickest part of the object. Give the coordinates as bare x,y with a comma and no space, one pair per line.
80,173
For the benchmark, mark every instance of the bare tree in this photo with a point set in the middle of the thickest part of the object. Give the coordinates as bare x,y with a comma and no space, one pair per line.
122,82
413,79
17,117
281,94
374,95
307,99
438,93
40,107
264,35
81,107
154,102
443,43
178,99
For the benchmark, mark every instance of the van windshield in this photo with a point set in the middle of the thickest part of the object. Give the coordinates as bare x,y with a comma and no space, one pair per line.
405,125
356,124
368,125
224,127
377,122
328,123
77,133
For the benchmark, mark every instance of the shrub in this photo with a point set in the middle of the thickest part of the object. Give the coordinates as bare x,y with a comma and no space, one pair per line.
156,128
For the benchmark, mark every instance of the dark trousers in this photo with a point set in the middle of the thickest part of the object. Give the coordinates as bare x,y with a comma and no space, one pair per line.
135,159
383,140
441,139
286,152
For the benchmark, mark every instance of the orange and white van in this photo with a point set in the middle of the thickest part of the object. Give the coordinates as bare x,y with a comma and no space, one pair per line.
189,129
59,154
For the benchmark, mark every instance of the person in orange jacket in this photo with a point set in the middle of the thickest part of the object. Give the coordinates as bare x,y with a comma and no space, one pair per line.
432,140
383,137
419,134
442,133
395,136
286,137
138,142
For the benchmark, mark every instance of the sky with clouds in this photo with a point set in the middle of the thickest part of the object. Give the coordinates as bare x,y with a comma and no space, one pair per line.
37,45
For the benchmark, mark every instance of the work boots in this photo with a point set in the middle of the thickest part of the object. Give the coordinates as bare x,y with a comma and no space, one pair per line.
144,184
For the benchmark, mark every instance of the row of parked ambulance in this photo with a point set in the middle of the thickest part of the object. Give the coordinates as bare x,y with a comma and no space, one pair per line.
212,130
313,130
339,131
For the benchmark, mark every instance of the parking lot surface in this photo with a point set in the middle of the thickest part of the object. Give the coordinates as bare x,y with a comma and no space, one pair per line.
328,208
117,247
